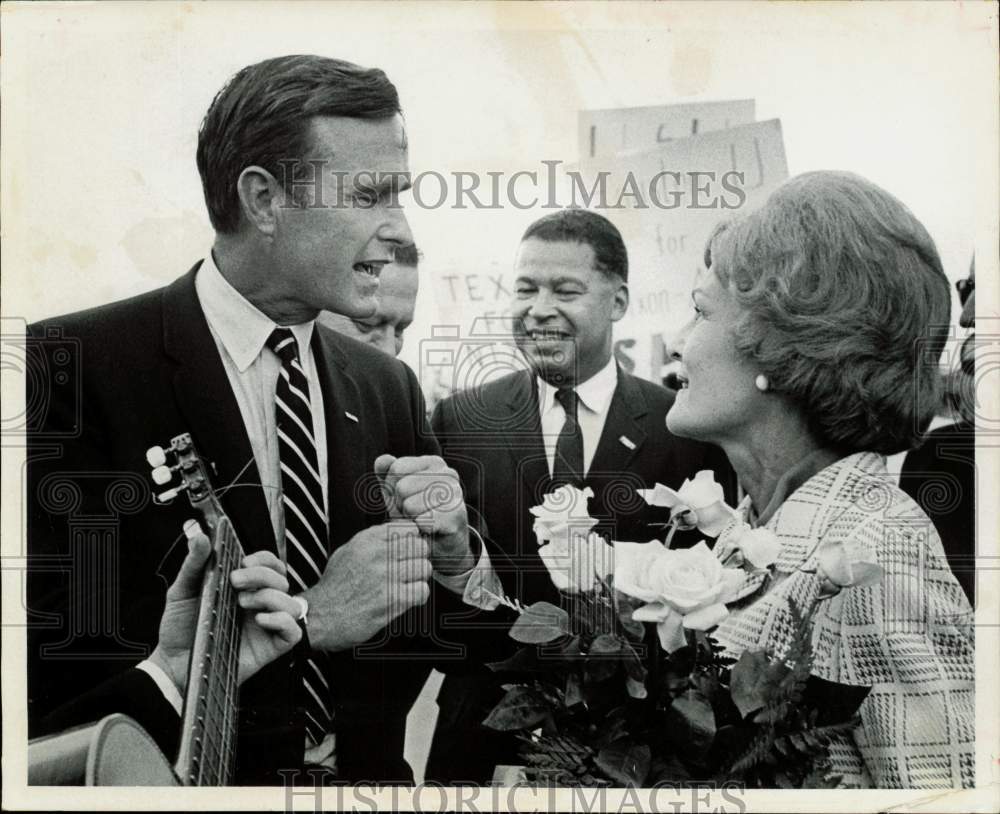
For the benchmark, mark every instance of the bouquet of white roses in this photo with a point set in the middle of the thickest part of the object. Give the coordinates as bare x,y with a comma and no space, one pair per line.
600,698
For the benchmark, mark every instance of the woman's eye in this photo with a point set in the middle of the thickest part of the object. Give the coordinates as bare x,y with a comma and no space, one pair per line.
698,313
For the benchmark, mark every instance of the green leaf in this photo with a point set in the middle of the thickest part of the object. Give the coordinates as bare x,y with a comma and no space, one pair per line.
634,667
603,658
525,660
754,681
695,721
606,645
574,693
521,708
568,648
624,762
540,623
624,605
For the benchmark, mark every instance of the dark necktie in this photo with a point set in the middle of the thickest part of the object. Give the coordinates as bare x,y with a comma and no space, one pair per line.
305,518
568,465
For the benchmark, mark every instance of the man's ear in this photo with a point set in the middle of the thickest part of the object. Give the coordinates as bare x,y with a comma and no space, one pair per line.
620,305
260,194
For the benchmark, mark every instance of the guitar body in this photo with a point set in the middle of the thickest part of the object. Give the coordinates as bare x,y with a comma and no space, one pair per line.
115,751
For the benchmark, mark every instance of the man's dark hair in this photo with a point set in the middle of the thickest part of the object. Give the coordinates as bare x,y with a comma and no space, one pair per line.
261,118
582,226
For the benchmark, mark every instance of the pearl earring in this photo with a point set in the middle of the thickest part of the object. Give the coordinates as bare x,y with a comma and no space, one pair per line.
761,382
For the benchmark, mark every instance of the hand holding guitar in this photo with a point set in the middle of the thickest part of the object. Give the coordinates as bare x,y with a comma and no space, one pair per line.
269,627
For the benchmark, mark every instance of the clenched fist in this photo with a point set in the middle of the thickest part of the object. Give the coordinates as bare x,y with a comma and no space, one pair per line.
378,574
427,491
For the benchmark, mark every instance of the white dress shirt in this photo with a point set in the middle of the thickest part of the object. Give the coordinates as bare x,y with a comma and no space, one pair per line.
240,331
593,404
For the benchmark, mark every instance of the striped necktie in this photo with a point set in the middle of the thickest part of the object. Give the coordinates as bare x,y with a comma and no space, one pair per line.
305,517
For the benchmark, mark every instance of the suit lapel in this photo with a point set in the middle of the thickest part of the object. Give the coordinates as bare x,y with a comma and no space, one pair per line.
347,464
211,414
623,434
523,435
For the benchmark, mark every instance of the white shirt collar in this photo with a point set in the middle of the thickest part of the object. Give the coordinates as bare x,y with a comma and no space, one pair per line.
595,394
242,328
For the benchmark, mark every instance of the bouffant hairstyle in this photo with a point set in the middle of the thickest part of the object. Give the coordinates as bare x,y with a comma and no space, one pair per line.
845,307
581,226
262,117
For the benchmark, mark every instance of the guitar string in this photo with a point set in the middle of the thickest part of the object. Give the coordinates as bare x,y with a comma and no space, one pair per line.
231,648
204,727
220,693
215,701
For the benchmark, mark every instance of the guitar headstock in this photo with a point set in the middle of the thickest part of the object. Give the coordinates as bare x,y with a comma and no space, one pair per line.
181,467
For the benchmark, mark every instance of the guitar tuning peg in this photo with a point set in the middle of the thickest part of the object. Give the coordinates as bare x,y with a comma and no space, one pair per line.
166,497
155,456
162,475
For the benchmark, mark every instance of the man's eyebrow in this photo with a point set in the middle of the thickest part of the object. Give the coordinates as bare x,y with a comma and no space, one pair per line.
382,183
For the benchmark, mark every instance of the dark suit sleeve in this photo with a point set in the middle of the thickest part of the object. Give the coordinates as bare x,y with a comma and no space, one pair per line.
64,445
485,634
131,692
68,466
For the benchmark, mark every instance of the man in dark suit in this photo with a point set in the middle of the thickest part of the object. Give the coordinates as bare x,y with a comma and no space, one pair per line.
940,475
318,443
515,439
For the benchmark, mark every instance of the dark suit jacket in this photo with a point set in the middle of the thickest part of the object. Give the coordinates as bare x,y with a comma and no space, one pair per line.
105,385
940,476
492,436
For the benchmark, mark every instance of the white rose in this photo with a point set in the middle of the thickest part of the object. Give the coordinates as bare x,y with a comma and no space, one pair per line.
837,569
698,503
683,588
575,562
759,547
562,513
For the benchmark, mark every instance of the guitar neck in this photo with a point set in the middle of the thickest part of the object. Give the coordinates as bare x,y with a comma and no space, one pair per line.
208,730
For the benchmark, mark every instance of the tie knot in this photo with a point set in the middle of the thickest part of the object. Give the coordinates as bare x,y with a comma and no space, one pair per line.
566,396
282,342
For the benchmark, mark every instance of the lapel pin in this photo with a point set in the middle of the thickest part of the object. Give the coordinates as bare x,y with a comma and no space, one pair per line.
627,442
351,416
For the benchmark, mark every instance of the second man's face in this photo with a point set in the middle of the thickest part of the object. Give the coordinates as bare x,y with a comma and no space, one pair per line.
563,310
397,298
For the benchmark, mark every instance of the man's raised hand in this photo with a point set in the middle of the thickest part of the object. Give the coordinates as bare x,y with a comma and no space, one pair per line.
427,491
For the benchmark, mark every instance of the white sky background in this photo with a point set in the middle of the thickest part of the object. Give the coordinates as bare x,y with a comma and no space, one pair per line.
101,105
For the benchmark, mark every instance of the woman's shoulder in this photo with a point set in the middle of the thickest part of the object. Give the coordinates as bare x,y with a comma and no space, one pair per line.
857,488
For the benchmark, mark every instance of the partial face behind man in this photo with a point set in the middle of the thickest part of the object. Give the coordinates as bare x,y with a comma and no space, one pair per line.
397,298
564,308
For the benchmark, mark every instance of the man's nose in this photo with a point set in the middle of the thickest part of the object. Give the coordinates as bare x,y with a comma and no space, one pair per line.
396,228
542,305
